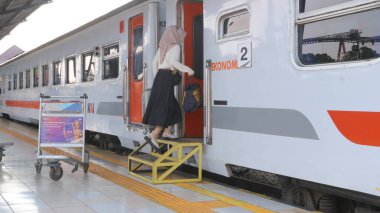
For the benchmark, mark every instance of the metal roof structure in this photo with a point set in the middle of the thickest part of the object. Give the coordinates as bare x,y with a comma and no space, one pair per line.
14,12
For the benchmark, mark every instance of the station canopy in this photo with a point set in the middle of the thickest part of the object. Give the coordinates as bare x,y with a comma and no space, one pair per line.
14,12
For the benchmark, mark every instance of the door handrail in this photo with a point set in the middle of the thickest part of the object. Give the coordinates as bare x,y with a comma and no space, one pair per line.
208,104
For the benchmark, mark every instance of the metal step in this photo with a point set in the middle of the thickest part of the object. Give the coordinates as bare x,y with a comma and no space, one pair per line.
166,161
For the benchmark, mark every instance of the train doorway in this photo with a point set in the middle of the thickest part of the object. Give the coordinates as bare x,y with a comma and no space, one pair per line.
136,69
193,57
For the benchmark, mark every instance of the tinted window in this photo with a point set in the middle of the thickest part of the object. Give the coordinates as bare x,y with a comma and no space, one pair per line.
9,82
348,38
21,80
2,82
88,67
70,70
111,61
45,75
57,73
236,23
15,81
27,79
36,75
138,54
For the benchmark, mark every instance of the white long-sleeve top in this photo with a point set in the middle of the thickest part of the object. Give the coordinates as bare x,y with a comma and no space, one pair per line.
171,61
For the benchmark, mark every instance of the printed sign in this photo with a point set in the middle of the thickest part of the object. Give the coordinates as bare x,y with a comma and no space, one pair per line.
224,65
61,129
244,55
61,107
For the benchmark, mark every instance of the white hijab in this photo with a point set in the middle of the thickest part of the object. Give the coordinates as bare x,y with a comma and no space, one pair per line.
173,35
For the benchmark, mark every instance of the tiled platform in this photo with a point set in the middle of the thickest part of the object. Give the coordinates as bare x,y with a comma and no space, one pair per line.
23,190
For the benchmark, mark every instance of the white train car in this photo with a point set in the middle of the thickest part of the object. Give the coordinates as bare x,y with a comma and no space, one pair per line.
290,88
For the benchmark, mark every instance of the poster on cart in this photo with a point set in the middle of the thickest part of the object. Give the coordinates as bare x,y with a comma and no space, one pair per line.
60,107
62,130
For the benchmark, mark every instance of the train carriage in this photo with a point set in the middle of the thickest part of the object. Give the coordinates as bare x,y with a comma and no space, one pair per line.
289,88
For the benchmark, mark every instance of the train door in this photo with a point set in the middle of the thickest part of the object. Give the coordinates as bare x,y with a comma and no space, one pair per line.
136,69
193,57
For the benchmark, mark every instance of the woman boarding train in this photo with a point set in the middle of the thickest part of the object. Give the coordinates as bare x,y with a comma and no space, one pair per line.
163,109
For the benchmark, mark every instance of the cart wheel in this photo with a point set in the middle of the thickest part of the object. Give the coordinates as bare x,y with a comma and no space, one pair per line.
38,169
38,166
56,173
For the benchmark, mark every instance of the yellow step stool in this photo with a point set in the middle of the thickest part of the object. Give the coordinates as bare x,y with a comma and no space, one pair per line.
167,162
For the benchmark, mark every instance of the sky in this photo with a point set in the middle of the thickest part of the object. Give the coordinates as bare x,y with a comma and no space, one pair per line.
54,19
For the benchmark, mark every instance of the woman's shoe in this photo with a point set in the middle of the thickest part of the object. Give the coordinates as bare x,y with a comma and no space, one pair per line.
168,136
152,144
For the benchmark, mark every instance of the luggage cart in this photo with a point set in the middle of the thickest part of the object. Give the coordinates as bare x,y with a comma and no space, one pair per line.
4,145
62,121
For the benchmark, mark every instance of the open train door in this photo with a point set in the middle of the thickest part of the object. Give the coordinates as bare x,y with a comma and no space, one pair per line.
193,57
136,69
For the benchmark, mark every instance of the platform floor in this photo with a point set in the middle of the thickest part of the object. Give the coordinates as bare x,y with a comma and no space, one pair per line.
107,187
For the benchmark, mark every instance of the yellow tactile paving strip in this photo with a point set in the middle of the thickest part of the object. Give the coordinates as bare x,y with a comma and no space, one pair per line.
213,204
163,198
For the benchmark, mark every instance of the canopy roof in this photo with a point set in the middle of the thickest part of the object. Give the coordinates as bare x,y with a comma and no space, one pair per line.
13,12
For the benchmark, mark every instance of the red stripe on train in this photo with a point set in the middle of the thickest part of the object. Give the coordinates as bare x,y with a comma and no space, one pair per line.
23,104
358,126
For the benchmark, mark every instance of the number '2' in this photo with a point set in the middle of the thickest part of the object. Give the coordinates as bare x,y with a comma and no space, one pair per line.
244,50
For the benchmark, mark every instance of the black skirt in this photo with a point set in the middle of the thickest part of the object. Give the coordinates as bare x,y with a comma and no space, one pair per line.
163,108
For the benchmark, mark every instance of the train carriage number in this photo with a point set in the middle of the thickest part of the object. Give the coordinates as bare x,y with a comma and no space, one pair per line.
244,55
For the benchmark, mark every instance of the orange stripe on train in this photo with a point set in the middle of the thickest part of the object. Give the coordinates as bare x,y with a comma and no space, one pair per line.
358,126
23,104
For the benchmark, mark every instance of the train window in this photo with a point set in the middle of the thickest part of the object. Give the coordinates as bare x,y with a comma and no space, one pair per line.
88,67
308,5
9,82
353,36
15,81
138,54
234,24
36,75
70,70
21,80
57,73
111,61
45,75
27,78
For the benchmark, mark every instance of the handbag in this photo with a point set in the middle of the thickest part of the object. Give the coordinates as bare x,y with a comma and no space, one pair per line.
177,78
192,98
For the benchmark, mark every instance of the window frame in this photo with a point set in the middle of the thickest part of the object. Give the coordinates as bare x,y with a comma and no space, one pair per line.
2,84
15,80
21,80
67,77
54,71
36,68
83,64
134,55
9,82
43,75
227,14
27,80
110,57
329,12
